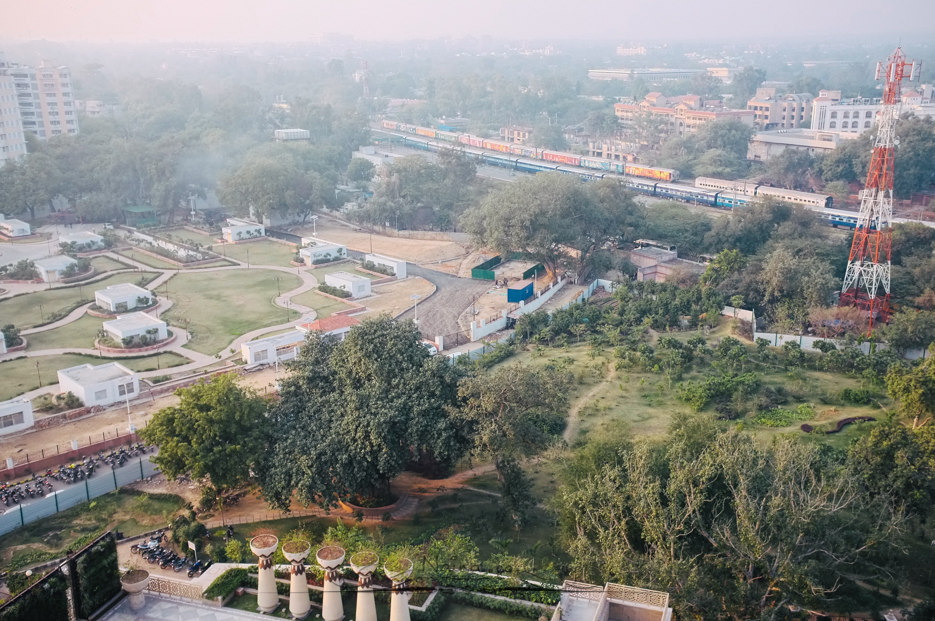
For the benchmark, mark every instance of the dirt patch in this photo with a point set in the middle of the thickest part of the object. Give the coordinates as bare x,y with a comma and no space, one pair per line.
395,297
415,250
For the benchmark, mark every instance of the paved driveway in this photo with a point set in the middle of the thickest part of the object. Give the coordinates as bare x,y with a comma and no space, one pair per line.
438,315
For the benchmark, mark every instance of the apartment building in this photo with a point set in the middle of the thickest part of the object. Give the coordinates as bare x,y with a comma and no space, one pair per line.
515,134
45,99
12,138
613,149
833,114
684,114
780,111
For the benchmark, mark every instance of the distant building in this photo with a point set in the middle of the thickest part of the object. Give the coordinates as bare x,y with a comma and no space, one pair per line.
123,297
101,385
287,135
613,149
12,138
651,76
519,135
769,144
833,114
780,111
631,51
725,74
45,99
83,240
52,268
336,326
357,286
11,227
684,114
96,108
316,251
239,230
656,264
280,348
15,415
135,326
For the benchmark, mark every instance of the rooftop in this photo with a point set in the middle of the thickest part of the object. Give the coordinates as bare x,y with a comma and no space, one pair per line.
134,321
655,253
58,262
13,222
86,374
80,237
287,338
346,276
330,324
124,289
161,608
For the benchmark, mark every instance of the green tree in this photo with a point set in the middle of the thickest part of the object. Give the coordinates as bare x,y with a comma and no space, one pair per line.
915,155
515,493
726,263
914,388
602,124
909,329
360,172
353,413
218,430
897,461
547,135
745,83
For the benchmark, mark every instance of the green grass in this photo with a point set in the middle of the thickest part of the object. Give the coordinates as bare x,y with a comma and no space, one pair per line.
24,310
158,263
458,612
259,252
106,264
191,236
80,333
248,602
130,511
320,272
20,375
222,306
325,307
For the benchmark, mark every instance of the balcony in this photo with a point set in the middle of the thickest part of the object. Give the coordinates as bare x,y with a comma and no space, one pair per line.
613,602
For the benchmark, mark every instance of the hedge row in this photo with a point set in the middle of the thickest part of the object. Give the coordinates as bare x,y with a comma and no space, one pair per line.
226,583
499,605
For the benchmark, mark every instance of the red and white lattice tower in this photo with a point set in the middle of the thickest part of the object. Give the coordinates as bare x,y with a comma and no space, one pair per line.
867,282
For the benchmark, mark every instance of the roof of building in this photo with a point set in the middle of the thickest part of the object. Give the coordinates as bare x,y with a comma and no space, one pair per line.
13,222
346,276
86,374
134,321
58,262
330,324
124,289
80,237
287,338
655,253
138,209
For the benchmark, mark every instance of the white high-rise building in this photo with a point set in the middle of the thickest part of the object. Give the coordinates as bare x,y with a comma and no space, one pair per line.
12,138
853,116
45,98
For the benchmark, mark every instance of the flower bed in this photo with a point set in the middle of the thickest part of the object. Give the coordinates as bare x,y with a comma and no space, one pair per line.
133,350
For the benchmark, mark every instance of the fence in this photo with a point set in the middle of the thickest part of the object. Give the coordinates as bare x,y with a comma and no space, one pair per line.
474,354
807,343
101,483
42,459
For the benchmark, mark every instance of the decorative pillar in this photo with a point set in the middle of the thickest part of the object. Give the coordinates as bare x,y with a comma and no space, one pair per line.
363,564
297,552
330,558
264,546
399,600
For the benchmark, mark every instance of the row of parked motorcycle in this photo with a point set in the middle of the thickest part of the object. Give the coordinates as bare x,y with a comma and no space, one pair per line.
154,554
13,494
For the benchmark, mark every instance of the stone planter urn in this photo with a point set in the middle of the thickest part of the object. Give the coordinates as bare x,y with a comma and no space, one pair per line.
399,600
330,558
135,582
297,552
364,564
264,546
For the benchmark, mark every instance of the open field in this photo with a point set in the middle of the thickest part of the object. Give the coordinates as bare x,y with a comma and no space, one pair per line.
106,264
191,236
324,307
264,252
20,375
158,263
415,250
32,309
219,307
348,266
395,297
80,333
129,511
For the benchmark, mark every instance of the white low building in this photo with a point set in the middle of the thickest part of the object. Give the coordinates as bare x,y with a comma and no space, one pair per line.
239,230
336,326
51,268
2,345
281,347
123,297
397,265
15,415
357,286
320,250
101,385
14,228
136,325
84,240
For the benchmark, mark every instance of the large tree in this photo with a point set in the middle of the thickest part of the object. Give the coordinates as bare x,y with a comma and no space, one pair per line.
553,218
353,413
218,429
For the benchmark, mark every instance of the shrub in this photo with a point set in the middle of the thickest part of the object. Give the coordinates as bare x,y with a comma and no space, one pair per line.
234,551
338,293
779,417
226,583
857,396
379,269
499,605
11,335
433,611
21,270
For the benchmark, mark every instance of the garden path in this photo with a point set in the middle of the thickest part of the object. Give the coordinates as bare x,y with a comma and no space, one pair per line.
574,418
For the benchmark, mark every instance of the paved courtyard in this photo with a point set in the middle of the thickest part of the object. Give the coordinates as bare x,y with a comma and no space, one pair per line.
159,608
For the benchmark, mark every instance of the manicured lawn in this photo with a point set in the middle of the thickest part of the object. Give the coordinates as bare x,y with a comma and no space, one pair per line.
220,306
24,310
106,264
158,263
348,266
457,612
130,511
259,253
325,307
20,375
248,602
80,333
192,237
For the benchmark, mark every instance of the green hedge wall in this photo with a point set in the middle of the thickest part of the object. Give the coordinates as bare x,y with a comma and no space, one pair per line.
43,602
98,576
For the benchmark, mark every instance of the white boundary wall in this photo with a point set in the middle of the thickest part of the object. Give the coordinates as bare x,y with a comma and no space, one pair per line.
397,265
807,343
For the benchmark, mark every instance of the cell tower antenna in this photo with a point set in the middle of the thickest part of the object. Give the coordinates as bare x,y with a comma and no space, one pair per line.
867,281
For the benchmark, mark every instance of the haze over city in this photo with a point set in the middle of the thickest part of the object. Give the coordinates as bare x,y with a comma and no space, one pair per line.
295,20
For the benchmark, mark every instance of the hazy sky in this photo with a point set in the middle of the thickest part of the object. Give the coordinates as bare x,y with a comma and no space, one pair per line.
294,20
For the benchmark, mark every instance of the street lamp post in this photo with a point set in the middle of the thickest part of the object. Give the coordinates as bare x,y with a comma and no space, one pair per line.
315,226
416,308
38,374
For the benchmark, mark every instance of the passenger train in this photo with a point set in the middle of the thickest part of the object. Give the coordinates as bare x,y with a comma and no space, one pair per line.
707,191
